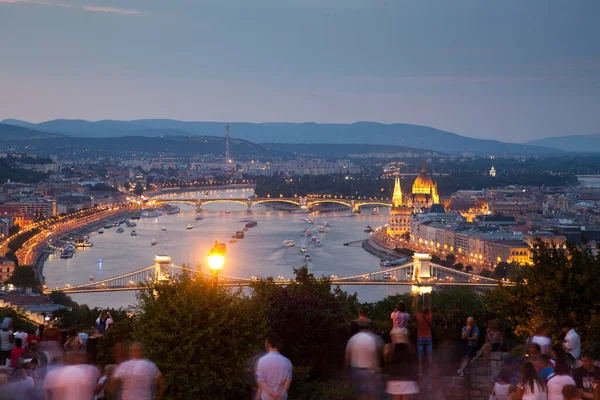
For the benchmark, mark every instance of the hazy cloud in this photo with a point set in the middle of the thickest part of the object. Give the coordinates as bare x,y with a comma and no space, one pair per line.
120,11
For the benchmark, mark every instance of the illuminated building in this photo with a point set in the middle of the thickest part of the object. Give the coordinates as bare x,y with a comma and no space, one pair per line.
424,190
399,222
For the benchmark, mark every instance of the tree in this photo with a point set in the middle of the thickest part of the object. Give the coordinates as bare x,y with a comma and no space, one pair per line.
469,268
458,266
312,318
199,336
435,259
505,270
450,258
12,257
24,276
58,297
13,230
138,190
558,287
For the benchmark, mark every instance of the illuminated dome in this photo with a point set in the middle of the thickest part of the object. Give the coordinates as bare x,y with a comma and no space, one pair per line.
423,181
424,190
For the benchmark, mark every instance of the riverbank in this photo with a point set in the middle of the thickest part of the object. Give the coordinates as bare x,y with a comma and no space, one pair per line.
372,247
198,189
43,252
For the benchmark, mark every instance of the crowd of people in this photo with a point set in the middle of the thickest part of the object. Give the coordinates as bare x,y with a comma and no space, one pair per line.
391,365
52,364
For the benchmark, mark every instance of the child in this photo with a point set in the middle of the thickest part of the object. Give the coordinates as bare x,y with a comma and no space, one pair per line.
502,388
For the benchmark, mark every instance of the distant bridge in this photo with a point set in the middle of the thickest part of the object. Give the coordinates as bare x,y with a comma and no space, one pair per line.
303,203
419,272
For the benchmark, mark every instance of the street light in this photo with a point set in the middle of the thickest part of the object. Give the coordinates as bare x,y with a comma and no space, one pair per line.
216,259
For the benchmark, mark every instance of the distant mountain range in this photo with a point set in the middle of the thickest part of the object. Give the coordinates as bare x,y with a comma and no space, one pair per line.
576,143
12,132
416,136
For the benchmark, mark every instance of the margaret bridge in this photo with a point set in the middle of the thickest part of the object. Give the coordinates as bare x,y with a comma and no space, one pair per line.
303,203
418,273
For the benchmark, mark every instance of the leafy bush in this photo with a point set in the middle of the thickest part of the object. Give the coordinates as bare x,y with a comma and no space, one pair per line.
199,336
312,319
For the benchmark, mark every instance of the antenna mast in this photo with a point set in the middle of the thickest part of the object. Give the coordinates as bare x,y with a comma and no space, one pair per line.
227,155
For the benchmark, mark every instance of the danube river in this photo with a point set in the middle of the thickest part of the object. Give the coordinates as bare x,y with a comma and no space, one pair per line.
260,253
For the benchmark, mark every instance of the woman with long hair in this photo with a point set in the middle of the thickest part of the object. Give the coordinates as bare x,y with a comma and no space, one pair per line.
399,316
559,379
400,366
531,386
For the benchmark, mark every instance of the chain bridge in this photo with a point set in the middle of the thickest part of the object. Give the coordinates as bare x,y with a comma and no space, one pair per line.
303,203
420,272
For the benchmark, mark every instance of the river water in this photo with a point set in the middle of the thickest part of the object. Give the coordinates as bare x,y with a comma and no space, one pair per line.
260,253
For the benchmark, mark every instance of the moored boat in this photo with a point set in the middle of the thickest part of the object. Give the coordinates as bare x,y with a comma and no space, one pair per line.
154,242
133,233
289,243
162,228
189,226
120,230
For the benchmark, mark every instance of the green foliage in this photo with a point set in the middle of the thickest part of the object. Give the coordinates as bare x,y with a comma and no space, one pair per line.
18,317
559,286
58,297
450,258
138,190
13,230
24,276
199,336
18,241
505,270
84,316
319,390
312,318
450,307
121,332
101,187
458,266
12,257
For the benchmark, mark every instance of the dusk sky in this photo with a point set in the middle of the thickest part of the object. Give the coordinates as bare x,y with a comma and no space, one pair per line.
513,70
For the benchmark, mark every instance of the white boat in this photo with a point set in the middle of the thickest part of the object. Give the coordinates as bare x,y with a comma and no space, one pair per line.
133,233
322,229
162,228
303,249
100,230
151,213
318,243
326,224
227,211
309,220
306,232
189,226
375,211
120,230
313,239
289,243
307,257
130,224
154,242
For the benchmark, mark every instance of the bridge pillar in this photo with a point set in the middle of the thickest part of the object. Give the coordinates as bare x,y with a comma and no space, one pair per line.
303,203
422,268
249,205
162,270
355,207
199,206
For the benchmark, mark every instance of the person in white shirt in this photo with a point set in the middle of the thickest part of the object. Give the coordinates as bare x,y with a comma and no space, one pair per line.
74,381
501,390
137,377
363,353
558,380
542,337
273,372
531,386
571,342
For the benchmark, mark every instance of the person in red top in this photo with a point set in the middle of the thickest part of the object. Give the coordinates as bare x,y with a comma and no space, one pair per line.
31,336
16,352
424,334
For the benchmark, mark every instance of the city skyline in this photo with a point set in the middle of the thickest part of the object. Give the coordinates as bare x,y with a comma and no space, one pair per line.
509,71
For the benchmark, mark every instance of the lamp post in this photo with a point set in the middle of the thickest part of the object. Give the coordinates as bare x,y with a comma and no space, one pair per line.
216,259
